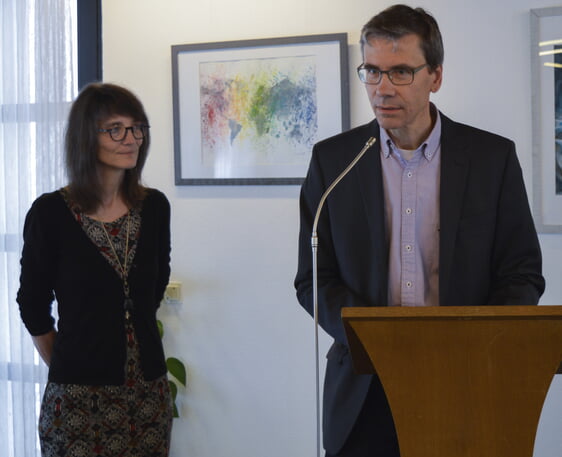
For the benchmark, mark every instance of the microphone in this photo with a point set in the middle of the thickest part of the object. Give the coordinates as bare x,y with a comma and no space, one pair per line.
314,244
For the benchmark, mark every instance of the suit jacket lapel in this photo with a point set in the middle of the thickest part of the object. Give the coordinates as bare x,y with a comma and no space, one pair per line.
454,172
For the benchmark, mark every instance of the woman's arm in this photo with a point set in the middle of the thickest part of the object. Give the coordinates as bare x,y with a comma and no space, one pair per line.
44,345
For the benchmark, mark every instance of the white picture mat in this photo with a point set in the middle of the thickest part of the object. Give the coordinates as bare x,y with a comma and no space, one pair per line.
546,26
551,28
329,88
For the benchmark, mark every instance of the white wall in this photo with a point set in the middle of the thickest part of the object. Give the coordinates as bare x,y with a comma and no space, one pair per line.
247,343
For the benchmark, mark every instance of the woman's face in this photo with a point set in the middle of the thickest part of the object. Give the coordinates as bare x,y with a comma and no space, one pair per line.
123,153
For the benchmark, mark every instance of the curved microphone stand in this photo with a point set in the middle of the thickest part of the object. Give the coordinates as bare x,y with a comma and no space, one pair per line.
314,243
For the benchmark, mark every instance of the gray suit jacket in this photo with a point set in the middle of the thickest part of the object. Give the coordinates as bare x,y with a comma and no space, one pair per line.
488,255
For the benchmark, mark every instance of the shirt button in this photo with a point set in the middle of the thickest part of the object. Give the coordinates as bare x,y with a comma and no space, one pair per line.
409,174
408,284
408,247
408,211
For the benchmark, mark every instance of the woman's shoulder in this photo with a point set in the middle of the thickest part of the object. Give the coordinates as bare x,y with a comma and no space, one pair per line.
49,201
48,210
155,196
155,202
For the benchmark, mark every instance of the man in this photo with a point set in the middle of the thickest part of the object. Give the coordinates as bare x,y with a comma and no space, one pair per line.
435,213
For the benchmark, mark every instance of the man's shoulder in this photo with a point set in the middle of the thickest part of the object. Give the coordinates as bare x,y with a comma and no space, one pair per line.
457,131
358,134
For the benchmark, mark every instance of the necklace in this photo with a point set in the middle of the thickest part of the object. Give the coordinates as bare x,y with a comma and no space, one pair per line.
124,267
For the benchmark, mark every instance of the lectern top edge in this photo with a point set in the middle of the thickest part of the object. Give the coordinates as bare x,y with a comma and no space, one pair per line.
453,312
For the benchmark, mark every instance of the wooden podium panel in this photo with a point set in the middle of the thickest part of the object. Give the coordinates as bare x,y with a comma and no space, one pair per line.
460,381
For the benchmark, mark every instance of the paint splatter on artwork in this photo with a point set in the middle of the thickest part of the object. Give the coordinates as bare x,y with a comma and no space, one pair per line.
258,111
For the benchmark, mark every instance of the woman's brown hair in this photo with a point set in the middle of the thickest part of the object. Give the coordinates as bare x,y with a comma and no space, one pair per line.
95,103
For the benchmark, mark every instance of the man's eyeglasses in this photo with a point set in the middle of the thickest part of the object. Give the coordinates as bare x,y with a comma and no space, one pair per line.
400,76
119,132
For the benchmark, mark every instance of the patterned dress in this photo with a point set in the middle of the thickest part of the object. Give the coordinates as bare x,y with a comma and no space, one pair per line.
129,420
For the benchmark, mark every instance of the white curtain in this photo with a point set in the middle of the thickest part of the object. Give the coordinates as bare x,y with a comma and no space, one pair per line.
37,83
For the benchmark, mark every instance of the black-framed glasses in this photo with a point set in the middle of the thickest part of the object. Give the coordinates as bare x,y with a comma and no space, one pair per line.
399,76
119,132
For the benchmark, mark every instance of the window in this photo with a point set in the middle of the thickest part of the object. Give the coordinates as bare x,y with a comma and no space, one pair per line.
39,50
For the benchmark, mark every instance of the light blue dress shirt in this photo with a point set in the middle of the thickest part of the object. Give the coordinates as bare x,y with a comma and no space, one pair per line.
411,195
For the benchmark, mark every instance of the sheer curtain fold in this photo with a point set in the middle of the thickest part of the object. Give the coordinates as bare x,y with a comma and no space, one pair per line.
37,84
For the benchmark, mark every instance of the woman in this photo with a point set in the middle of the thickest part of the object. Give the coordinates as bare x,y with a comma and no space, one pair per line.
101,246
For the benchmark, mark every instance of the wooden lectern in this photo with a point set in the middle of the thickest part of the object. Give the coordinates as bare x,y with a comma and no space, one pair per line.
461,381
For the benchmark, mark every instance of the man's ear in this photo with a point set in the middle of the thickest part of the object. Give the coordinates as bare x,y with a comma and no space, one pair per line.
437,78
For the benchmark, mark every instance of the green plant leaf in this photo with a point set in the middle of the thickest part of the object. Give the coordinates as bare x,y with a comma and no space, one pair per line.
177,369
173,389
174,394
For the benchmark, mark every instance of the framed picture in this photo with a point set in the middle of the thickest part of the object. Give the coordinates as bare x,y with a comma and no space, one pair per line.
249,112
546,80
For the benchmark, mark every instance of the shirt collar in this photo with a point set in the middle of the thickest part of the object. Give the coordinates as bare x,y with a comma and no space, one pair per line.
429,147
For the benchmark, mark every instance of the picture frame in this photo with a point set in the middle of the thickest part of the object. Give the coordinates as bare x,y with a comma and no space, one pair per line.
546,84
248,112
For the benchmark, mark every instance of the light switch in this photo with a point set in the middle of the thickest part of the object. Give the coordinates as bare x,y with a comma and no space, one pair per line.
172,296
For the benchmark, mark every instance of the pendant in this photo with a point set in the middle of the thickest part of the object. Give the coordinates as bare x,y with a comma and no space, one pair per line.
128,304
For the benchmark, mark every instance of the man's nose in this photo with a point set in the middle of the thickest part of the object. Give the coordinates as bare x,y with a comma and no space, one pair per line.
385,85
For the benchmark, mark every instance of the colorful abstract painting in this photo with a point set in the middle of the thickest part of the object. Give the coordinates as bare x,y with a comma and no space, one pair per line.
257,111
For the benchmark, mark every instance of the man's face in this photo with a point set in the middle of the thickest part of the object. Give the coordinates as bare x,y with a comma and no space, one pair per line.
402,110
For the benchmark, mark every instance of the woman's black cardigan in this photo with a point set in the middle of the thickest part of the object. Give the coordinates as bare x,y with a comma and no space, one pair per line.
59,260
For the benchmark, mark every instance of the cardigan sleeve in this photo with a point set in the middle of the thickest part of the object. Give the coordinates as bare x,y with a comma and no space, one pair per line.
35,295
164,245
